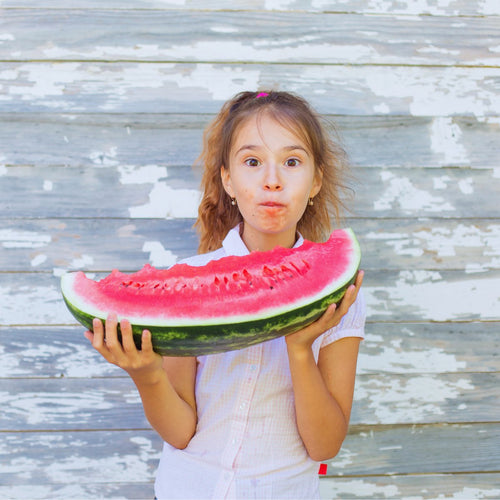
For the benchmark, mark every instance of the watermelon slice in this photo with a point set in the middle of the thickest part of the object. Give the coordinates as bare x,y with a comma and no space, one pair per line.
229,303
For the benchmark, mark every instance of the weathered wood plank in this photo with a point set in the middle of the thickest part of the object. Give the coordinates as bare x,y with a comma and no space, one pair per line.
130,457
185,36
429,348
81,491
155,191
127,244
424,449
143,139
424,7
391,296
55,459
403,348
114,403
421,486
51,352
201,88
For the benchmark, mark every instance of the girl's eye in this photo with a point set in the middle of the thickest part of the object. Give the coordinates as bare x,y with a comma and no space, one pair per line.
252,162
292,162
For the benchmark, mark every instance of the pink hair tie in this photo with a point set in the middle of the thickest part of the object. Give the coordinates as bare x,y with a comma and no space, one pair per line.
261,94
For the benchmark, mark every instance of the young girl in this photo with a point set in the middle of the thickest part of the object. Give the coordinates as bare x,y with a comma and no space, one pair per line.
253,423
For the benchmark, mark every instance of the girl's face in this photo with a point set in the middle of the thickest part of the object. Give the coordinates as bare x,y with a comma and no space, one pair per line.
272,176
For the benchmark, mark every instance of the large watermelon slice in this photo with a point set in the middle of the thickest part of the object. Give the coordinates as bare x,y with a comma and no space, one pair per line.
228,304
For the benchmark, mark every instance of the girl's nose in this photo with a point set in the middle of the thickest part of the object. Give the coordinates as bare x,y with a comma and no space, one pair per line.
272,181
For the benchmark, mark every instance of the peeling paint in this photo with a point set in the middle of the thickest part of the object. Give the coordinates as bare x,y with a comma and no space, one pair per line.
30,304
166,202
430,298
392,359
400,192
10,238
158,255
445,241
38,260
396,400
131,174
358,488
445,142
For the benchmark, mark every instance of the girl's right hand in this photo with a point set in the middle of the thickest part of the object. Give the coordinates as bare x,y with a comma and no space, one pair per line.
137,363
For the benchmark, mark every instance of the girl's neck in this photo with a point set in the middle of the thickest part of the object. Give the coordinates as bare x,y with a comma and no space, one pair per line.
257,241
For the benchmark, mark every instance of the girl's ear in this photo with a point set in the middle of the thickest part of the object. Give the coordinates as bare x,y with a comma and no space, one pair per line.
226,181
317,183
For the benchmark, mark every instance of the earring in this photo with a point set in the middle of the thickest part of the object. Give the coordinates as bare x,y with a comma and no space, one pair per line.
233,201
311,202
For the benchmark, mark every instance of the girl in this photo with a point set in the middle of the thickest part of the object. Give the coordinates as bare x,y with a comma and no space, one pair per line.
252,423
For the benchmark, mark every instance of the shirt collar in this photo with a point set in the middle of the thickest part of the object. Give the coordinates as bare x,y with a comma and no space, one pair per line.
233,244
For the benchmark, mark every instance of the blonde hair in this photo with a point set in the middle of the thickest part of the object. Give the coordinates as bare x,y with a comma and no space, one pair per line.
216,214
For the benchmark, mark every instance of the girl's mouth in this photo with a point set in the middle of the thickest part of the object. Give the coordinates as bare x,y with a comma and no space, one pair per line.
272,204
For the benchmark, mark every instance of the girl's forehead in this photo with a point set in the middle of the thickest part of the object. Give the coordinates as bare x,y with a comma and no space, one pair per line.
263,125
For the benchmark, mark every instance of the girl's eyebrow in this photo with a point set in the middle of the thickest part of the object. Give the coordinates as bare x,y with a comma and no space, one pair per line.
253,147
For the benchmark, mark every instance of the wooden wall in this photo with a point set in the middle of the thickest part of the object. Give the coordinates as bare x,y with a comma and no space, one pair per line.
102,107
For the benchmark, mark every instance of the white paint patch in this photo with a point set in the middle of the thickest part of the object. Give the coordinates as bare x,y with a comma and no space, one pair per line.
400,192
429,297
31,304
37,407
458,90
307,48
220,83
123,468
9,238
488,7
81,262
431,49
391,359
345,458
158,255
48,185
105,158
357,488
224,29
397,400
67,357
38,260
441,182
466,185
446,242
382,108
278,4
6,37
130,174
445,142
468,493
166,202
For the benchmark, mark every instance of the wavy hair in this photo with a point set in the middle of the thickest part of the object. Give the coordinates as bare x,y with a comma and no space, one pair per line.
216,214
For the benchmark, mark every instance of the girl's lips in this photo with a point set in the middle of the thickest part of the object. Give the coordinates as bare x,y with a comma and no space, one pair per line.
273,204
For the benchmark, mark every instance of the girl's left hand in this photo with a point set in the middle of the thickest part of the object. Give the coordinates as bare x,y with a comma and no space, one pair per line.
303,339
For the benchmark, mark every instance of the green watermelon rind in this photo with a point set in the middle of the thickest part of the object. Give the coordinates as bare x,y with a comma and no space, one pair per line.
198,340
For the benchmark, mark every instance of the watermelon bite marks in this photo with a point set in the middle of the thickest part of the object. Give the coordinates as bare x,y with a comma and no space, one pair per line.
229,303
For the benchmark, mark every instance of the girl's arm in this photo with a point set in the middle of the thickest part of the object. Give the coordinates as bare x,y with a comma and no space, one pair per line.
324,391
166,385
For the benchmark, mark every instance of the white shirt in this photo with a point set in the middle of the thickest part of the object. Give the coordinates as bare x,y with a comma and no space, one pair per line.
246,443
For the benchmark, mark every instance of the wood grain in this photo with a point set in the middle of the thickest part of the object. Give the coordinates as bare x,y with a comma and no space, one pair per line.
283,37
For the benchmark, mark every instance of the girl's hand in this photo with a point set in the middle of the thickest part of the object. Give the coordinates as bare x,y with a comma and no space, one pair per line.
303,339
125,354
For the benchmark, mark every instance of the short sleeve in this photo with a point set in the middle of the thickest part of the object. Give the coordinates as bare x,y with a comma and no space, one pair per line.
351,325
